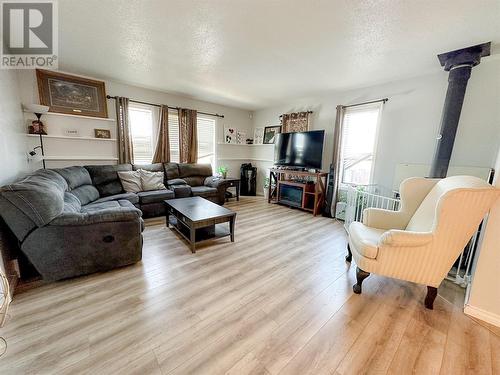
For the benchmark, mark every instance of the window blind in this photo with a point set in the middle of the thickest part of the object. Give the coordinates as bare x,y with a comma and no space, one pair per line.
141,129
173,135
206,140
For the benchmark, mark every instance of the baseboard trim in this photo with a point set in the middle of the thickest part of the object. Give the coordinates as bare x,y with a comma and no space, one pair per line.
483,315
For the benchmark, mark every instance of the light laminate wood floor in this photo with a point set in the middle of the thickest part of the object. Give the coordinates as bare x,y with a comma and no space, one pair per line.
277,301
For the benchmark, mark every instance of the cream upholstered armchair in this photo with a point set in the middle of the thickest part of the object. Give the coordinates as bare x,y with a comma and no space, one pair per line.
421,241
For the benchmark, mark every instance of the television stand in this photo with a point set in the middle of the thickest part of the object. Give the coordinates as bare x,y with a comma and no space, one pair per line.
299,189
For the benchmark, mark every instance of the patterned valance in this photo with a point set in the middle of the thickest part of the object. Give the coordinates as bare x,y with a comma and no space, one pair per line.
295,122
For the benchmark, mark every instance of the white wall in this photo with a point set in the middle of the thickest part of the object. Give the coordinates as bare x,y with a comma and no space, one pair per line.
484,298
81,148
13,160
410,120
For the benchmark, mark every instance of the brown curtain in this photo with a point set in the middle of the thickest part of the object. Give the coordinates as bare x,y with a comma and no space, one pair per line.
125,150
295,122
188,146
162,152
337,149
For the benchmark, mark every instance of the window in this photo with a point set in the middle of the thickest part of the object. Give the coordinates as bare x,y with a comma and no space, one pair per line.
173,135
142,130
143,120
206,140
359,133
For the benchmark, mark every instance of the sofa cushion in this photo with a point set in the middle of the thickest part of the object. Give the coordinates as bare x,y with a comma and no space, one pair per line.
171,170
86,193
79,183
75,176
40,195
98,213
131,197
195,180
152,180
181,191
105,178
203,191
71,203
155,167
365,239
131,181
190,170
155,196
176,181
95,207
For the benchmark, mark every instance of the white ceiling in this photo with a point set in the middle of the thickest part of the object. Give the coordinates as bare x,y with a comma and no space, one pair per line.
257,53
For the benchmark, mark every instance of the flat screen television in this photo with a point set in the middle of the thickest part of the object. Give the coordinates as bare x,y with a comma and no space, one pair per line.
302,149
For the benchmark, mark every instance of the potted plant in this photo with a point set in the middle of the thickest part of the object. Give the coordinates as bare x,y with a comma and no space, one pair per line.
222,171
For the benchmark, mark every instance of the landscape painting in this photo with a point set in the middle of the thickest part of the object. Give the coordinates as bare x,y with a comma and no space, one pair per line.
69,94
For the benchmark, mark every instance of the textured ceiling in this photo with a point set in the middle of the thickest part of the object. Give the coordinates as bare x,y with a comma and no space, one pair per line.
253,54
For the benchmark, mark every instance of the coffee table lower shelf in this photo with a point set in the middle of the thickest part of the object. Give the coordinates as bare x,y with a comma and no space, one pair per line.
204,234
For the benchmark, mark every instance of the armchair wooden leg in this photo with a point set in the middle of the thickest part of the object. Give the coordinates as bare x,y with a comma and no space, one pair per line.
348,257
430,297
360,276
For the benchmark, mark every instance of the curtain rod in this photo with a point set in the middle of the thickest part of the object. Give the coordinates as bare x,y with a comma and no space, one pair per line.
298,112
157,105
370,102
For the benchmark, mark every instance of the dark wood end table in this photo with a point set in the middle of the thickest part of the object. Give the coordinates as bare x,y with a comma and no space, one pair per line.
197,219
233,182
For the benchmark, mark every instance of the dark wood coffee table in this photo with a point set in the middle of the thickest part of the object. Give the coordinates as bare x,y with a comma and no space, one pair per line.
197,219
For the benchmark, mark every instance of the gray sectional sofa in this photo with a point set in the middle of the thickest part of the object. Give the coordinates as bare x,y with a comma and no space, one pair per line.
78,220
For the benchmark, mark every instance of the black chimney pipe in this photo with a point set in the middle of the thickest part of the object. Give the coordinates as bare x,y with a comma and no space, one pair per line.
459,63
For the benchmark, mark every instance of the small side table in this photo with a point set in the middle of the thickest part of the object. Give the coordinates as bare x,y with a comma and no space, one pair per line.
233,182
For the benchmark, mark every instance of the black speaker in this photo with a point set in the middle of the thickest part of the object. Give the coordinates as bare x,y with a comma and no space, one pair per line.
327,208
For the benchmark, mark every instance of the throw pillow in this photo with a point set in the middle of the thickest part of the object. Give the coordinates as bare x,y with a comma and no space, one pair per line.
131,181
152,180
176,181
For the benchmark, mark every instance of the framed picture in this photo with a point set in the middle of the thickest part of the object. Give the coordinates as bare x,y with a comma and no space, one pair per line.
258,136
230,134
69,94
270,133
102,133
241,136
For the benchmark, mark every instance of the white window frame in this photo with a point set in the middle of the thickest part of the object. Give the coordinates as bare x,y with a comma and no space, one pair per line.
380,107
215,137
154,125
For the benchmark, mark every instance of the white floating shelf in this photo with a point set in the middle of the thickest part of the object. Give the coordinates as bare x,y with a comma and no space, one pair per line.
77,138
254,159
75,116
79,158
244,144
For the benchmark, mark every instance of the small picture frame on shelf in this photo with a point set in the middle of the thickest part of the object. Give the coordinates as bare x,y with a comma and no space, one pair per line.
258,136
102,133
37,127
230,135
241,136
270,133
